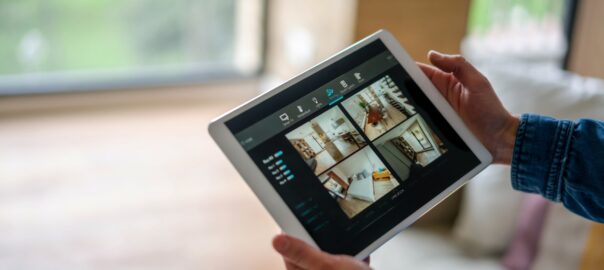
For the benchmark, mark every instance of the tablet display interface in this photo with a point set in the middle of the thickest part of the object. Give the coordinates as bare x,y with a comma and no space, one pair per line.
353,149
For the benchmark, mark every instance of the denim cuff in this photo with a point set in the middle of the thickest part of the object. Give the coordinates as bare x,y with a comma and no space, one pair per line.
540,153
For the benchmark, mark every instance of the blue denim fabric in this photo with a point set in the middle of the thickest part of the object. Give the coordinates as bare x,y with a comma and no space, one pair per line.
563,161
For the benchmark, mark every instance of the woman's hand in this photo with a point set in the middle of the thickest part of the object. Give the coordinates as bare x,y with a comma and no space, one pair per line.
300,256
473,98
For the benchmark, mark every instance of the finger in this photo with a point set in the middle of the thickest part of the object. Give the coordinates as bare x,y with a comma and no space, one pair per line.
440,79
465,72
290,265
428,70
297,252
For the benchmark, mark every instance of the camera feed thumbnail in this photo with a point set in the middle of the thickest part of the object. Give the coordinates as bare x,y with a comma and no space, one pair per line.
326,140
358,181
379,107
410,146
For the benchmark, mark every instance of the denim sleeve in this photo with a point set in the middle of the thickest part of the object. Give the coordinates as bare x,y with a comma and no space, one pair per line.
563,161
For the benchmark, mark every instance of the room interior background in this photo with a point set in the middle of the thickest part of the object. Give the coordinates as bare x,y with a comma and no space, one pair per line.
108,164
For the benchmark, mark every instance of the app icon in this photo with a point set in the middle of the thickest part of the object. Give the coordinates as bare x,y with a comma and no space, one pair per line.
300,109
329,92
343,83
358,76
284,117
315,100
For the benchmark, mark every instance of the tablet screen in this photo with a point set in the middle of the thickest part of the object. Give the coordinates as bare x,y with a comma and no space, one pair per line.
354,149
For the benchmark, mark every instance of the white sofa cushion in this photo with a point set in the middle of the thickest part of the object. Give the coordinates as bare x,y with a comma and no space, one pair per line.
427,249
487,216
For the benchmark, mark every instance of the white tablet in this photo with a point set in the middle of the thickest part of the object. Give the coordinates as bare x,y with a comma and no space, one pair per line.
353,150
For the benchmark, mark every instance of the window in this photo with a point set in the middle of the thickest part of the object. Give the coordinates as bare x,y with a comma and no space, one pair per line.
57,45
516,29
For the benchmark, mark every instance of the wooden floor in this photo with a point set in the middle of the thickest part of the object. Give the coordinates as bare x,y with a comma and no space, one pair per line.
126,188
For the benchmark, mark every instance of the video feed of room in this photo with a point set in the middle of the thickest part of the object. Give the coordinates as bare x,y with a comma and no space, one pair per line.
379,107
326,140
410,146
358,182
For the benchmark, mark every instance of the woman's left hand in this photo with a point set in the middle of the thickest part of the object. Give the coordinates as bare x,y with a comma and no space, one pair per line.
301,256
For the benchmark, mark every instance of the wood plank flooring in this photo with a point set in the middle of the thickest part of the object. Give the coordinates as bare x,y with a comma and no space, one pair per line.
126,188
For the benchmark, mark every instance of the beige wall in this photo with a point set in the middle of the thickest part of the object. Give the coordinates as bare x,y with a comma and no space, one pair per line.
587,46
303,33
420,25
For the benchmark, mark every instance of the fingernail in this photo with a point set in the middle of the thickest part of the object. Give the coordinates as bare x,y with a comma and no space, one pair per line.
281,243
436,55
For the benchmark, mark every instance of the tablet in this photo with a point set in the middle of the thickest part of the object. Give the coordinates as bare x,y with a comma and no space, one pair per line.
353,150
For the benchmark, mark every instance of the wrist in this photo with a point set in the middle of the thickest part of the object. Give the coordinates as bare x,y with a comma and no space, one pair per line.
506,140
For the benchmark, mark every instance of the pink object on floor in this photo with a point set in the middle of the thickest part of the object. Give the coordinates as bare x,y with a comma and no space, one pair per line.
524,245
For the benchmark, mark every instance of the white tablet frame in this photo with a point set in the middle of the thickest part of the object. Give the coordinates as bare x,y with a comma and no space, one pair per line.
268,195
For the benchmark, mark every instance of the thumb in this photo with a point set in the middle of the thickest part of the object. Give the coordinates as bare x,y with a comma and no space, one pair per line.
299,253
463,71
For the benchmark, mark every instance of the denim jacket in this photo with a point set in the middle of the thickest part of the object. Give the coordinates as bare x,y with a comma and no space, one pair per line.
563,161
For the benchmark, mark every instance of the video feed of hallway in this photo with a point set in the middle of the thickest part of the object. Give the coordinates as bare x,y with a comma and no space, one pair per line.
358,181
379,107
410,146
326,140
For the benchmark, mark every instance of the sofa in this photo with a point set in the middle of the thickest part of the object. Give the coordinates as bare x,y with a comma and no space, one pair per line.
476,228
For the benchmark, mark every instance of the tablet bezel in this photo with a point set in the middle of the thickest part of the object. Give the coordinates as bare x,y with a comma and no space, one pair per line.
273,202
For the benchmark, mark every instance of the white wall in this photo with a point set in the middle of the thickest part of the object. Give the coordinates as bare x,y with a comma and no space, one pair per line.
355,111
